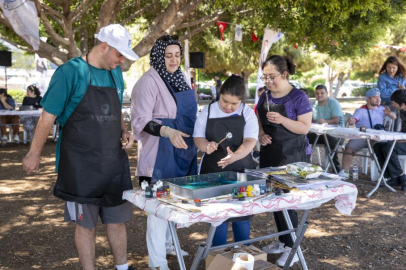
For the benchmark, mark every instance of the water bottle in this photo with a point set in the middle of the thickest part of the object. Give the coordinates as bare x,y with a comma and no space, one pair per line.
355,172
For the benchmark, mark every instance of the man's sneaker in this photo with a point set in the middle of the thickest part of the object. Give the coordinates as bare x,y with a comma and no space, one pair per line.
171,251
282,259
130,268
275,247
344,174
393,182
16,138
4,138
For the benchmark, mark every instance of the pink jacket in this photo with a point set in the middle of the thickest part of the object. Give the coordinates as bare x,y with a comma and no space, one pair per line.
150,100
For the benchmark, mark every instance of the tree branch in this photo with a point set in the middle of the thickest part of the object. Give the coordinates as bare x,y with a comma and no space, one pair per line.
82,9
201,20
50,30
197,30
139,12
105,13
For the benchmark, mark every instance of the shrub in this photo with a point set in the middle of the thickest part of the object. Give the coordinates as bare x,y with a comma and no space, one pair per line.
311,91
252,91
317,82
17,95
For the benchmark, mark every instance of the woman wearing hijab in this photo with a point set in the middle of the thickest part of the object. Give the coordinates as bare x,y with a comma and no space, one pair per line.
163,113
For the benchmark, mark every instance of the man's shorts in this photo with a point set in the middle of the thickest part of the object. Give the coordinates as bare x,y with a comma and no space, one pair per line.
357,144
86,215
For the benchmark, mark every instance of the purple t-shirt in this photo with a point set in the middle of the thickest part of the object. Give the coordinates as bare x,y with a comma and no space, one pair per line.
296,103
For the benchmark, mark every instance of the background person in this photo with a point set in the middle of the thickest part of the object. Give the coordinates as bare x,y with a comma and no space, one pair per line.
217,83
284,114
32,98
326,111
392,76
368,116
394,169
163,110
8,103
85,96
229,114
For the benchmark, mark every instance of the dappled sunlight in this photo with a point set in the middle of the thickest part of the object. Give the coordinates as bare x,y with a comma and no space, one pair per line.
198,236
342,262
102,241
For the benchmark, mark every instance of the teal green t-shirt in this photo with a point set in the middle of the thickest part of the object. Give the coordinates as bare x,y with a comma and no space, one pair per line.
331,109
68,85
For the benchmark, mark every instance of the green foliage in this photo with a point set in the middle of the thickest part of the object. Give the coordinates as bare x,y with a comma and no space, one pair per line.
317,82
365,76
3,47
311,91
17,95
252,91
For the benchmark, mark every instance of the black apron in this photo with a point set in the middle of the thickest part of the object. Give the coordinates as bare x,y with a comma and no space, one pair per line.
286,147
216,129
93,167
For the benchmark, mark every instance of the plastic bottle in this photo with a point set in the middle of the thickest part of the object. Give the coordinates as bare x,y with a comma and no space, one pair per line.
355,172
257,190
148,192
250,191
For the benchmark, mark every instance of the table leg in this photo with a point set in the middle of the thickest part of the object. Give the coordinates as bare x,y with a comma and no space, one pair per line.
177,245
330,154
203,249
382,169
301,229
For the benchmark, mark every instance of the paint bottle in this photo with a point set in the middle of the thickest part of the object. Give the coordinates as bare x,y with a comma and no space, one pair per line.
168,191
262,188
250,191
242,192
268,186
257,190
148,192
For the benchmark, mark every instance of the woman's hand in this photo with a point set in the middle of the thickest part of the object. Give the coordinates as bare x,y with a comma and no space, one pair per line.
230,158
265,139
211,147
275,117
176,137
400,86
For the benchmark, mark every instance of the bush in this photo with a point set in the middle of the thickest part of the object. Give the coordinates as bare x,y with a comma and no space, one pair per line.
360,92
311,91
317,82
252,91
17,95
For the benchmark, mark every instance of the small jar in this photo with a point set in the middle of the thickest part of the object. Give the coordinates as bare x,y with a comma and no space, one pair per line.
250,191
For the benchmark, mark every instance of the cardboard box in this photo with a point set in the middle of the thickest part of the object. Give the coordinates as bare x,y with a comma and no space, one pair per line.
221,262
229,253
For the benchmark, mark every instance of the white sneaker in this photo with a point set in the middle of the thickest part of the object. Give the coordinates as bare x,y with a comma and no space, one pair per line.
171,251
344,174
282,259
16,138
275,247
4,138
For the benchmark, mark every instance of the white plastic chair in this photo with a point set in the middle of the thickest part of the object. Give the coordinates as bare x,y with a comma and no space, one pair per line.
388,123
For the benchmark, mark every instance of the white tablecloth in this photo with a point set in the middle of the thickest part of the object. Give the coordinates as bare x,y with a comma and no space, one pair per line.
31,113
217,212
354,133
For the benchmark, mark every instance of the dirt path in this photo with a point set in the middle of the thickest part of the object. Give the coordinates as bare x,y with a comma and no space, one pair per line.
33,236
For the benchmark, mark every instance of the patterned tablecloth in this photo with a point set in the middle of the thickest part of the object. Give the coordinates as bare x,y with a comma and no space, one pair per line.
354,133
31,113
216,212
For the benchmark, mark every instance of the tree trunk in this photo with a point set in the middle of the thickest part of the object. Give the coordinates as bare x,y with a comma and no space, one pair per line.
340,81
245,75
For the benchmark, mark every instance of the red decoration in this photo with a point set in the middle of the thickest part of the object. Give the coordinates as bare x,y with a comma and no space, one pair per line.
253,36
295,45
222,26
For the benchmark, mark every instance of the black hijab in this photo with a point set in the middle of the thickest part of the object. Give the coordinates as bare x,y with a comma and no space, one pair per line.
157,61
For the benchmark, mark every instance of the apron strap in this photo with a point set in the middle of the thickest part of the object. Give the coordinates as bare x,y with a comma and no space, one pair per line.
90,72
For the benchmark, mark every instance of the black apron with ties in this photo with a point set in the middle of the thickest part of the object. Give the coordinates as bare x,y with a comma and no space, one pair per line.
216,129
93,166
286,147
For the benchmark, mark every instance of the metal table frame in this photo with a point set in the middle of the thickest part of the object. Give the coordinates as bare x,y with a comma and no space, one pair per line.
381,171
204,248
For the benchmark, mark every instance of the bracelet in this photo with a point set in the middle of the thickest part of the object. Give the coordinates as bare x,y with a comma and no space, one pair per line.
164,132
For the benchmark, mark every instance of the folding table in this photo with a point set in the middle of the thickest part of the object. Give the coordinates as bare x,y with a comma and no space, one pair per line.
216,212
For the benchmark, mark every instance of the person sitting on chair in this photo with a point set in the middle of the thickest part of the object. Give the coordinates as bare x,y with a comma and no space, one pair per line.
370,116
8,103
394,169
326,111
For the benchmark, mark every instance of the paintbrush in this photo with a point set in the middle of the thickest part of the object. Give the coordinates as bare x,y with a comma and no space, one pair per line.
228,136
267,100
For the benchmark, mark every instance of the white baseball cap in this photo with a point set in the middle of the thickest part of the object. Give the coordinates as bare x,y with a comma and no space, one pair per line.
116,36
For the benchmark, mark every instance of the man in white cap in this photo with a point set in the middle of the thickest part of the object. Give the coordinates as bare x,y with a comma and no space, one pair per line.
370,116
85,96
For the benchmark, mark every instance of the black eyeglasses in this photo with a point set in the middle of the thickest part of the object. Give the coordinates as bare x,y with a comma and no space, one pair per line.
167,38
